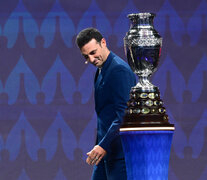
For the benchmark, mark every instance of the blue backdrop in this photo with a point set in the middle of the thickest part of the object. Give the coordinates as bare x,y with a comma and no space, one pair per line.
47,117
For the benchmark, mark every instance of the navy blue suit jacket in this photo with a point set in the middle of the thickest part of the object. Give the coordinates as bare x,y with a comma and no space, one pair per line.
112,88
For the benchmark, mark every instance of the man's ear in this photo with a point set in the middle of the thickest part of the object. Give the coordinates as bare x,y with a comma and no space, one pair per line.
103,42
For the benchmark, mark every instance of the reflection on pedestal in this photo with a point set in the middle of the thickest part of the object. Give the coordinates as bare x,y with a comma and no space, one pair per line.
147,153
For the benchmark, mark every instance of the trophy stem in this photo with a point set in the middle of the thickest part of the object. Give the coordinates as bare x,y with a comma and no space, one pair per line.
144,84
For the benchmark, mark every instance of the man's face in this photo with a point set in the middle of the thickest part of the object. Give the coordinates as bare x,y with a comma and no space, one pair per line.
95,53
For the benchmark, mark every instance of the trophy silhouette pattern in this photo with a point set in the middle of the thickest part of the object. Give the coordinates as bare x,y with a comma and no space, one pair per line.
47,117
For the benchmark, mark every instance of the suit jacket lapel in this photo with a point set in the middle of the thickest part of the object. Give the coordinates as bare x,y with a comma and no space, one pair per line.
100,76
98,79
96,76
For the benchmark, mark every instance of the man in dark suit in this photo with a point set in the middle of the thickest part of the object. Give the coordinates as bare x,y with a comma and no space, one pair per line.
113,81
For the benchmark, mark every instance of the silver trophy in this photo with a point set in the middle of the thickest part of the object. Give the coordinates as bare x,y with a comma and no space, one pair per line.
146,132
142,47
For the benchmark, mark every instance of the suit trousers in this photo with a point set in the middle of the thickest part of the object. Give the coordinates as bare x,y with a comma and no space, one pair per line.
110,170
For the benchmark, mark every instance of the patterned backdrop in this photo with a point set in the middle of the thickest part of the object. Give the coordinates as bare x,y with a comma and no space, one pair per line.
47,117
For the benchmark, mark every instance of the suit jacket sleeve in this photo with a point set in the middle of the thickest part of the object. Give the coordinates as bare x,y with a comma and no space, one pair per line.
121,81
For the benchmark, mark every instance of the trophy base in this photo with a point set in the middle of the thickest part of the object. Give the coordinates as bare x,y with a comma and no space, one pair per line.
145,109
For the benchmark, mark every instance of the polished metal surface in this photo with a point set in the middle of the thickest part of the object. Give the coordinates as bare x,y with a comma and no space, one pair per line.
142,47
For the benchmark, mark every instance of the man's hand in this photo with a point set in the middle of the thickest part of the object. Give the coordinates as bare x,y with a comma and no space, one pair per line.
95,155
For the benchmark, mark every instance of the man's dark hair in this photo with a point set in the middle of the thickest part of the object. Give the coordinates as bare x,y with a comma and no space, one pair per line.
87,35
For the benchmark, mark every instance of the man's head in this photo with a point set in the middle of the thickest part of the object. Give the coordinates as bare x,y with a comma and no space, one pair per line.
93,46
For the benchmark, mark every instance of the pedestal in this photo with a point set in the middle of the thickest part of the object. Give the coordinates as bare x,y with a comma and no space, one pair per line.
147,152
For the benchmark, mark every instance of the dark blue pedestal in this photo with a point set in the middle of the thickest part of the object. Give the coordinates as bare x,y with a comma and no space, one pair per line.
147,153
